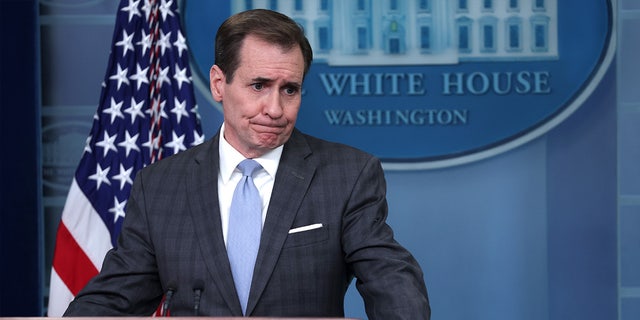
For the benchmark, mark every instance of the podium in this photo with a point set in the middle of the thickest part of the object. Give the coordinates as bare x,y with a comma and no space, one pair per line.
174,318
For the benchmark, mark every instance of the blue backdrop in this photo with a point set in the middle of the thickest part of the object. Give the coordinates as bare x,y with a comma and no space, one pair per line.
532,233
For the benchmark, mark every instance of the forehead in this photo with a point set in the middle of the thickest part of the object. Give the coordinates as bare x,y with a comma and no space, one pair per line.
257,55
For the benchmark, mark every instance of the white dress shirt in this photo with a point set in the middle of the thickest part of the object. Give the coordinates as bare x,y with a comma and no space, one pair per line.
229,176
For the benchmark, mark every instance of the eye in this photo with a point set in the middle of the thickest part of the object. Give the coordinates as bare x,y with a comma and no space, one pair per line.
257,86
290,90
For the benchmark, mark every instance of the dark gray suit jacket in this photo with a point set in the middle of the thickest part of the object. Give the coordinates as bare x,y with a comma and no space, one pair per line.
172,237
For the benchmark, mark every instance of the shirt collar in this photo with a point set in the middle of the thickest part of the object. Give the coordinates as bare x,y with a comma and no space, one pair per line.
230,158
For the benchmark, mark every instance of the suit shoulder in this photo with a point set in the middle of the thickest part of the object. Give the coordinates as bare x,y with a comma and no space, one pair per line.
333,151
180,161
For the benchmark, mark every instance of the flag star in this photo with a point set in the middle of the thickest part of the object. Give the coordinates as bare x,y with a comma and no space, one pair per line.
129,143
163,77
87,144
181,44
149,143
114,110
126,43
181,76
107,143
152,111
117,209
147,8
163,114
158,111
165,9
155,142
146,41
177,143
195,111
164,42
140,76
132,8
124,176
197,138
135,110
100,176
180,108
120,76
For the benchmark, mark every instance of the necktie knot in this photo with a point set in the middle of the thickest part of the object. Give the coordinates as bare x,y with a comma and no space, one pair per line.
248,167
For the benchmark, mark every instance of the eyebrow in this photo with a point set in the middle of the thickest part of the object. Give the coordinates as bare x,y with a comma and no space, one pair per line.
264,80
261,79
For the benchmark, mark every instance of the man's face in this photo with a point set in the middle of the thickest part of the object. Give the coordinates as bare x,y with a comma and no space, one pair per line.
261,103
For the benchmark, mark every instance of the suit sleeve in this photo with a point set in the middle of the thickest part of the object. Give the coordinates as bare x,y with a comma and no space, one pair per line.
128,281
387,276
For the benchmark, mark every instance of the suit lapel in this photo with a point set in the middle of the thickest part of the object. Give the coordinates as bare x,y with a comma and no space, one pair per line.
205,212
292,180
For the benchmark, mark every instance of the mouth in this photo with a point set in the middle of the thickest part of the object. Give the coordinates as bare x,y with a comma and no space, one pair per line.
268,127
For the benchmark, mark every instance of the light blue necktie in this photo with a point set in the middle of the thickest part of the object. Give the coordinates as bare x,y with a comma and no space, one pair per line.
245,226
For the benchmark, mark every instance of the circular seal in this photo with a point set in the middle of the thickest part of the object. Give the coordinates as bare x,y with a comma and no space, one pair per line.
431,84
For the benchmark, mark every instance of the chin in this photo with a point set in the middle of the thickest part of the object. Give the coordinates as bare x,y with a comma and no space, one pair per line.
272,140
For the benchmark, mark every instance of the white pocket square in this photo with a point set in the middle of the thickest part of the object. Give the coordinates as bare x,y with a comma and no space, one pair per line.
306,228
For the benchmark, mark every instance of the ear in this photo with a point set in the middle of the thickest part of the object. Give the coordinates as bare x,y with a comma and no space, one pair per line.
216,83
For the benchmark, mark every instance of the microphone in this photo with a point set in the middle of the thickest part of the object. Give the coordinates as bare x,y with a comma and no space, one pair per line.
166,305
198,287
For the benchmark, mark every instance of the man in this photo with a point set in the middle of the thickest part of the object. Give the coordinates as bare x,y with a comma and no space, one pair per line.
322,210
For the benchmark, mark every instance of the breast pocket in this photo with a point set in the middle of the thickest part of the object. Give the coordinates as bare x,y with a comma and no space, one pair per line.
307,237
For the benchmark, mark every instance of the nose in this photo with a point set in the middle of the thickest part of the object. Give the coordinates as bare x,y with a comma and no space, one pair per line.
274,105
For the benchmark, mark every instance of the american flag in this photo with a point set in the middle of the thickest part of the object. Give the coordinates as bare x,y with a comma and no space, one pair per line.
147,111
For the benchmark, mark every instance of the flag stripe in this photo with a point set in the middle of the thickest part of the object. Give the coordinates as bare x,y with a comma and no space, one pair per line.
70,261
62,293
85,225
